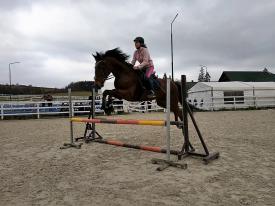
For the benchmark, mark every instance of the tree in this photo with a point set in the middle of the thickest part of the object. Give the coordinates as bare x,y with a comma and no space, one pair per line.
207,77
204,76
266,70
201,75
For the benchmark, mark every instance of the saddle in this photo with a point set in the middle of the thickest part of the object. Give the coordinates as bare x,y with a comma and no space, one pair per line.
144,80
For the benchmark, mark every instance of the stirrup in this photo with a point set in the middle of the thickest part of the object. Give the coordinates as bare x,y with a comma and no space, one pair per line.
151,95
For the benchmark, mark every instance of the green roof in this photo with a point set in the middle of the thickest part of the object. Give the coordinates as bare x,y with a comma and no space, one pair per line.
247,76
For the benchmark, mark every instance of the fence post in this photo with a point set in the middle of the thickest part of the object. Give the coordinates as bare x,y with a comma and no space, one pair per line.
125,107
38,110
212,104
2,111
72,108
254,98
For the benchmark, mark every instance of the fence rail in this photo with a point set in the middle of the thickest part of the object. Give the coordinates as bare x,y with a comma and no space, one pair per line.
33,108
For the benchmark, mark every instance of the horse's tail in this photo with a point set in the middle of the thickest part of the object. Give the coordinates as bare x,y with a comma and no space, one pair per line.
191,106
179,91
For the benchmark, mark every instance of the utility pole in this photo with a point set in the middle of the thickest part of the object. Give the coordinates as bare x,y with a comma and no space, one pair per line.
10,75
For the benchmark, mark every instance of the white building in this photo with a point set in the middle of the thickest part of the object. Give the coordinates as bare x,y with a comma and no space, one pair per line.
108,85
232,95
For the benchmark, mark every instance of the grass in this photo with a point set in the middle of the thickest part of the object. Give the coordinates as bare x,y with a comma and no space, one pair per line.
74,93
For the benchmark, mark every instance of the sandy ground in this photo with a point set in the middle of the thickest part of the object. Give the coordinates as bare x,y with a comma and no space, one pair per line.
34,171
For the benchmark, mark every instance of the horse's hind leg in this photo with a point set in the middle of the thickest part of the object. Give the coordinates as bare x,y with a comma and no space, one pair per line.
174,108
177,114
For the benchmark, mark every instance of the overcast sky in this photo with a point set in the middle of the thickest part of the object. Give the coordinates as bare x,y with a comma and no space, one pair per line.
54,39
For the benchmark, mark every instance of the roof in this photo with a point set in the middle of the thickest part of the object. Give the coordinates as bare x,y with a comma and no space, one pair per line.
219,86
189,85
247,76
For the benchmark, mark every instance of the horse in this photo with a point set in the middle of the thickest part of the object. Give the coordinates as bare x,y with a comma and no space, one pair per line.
128,84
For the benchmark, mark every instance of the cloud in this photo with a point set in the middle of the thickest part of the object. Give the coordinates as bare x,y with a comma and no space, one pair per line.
54,40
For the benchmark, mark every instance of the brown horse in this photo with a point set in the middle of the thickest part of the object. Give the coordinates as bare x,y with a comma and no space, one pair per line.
128,84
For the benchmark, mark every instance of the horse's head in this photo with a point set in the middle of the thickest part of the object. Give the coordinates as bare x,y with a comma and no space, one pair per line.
113,60
102,71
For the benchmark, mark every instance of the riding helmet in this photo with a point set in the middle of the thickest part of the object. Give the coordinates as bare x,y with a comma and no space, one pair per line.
139,39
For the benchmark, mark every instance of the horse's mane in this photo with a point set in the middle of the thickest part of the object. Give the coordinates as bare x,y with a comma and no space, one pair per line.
115,53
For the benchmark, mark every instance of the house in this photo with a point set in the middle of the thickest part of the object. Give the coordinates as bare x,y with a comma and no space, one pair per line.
232,95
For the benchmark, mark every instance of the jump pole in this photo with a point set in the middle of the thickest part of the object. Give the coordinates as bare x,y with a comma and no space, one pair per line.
168,118
139,147
126,121
166,163
71,144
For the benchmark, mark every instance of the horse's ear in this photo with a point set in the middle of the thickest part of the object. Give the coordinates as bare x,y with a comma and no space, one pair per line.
97,57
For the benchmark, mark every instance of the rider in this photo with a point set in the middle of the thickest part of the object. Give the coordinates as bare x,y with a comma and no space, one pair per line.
146,64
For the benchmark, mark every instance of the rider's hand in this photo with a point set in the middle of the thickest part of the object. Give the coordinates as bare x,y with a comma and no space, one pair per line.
135,67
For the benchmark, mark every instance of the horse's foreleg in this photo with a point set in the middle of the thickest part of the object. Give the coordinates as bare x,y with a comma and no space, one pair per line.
104,95
106,106
110,94
120,94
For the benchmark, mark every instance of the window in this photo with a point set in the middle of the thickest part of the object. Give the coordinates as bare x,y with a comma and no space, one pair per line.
201,104
195,102
233,97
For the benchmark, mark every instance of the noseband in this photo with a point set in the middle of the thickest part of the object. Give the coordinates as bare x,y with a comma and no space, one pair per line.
110,76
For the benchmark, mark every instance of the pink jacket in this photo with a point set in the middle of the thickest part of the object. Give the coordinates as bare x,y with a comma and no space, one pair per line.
143,57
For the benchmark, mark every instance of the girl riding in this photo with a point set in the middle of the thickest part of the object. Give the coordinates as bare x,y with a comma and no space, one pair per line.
146,64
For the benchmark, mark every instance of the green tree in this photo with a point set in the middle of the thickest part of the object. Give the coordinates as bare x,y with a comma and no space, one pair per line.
207,77
204,76
201,75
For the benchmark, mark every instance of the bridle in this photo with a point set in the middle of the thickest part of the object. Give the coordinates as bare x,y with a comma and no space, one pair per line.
110,76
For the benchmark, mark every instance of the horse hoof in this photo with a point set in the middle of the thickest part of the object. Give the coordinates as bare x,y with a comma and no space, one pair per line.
108,110
108,113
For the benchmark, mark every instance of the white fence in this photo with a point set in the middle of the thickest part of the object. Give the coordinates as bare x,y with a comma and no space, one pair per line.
145,106
37,109
37,98
236,102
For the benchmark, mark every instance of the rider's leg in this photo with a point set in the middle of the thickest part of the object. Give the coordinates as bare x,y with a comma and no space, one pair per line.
149,72
148,83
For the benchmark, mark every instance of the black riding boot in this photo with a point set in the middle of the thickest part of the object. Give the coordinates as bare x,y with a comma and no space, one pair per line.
149,83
